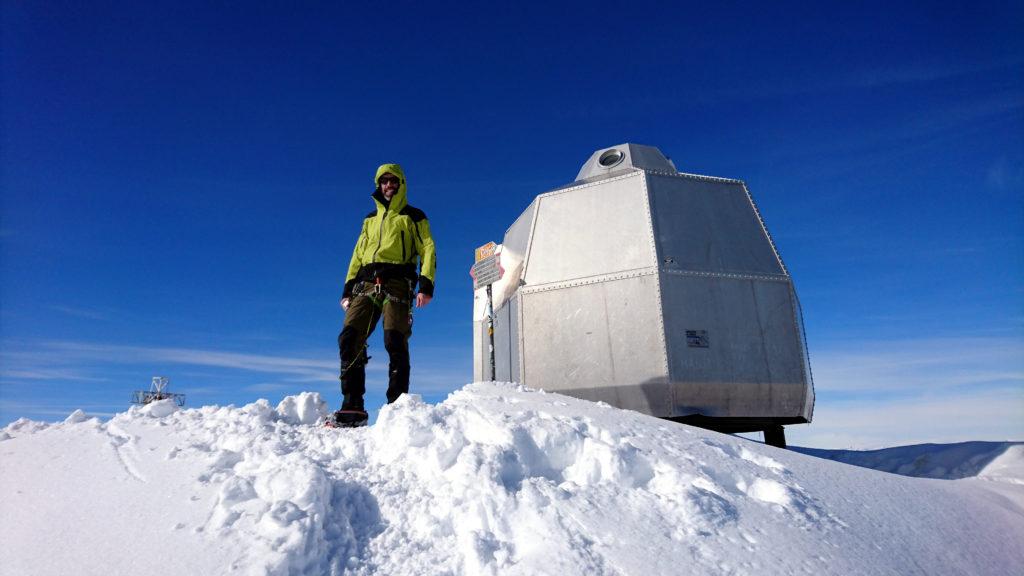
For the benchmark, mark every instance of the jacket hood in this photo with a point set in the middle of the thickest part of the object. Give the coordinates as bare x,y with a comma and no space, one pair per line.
399,200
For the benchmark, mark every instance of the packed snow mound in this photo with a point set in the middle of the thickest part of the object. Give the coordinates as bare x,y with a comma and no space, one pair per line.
497,479
949,461
306,408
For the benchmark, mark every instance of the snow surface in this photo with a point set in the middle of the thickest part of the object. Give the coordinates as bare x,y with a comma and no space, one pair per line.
1007,467
497,479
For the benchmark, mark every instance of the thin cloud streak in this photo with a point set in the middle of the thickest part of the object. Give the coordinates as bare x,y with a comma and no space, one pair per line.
793,87
994,415
48,374
268,387
78,312
880,77
931,127
72,361
59,409
198,357
925,364
1004,174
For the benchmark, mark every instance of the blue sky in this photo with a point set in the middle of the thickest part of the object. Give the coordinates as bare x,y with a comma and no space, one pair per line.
182,185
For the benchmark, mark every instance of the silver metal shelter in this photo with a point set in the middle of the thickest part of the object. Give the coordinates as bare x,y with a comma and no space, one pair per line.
651,290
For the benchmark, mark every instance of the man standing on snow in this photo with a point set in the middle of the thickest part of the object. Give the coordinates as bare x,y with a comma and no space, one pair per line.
382,281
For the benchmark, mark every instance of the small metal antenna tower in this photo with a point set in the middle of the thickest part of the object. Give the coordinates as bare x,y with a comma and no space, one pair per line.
157,391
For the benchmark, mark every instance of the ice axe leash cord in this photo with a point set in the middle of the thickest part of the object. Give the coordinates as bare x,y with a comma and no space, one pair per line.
362,352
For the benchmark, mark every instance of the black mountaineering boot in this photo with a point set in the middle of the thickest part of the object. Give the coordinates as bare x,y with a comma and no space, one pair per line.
353,387
348,419
353,369
397,345
352,413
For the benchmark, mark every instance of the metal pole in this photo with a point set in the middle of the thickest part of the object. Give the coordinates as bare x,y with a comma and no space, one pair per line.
490,329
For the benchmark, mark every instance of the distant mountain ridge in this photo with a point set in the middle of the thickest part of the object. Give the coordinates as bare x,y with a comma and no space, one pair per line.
944,461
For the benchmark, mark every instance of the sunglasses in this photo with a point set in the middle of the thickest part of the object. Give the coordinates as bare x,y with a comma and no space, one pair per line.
389,180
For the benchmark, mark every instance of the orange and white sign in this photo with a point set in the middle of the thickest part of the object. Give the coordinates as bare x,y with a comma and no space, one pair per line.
486,251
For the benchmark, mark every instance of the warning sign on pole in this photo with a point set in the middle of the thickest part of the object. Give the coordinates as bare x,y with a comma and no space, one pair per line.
487,269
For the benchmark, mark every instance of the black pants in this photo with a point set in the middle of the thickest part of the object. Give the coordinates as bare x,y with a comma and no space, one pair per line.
360,320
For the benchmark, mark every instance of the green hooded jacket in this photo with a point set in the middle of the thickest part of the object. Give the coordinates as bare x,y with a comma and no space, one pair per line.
395,237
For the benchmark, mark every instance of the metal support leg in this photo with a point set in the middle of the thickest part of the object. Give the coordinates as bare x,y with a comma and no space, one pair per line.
775,436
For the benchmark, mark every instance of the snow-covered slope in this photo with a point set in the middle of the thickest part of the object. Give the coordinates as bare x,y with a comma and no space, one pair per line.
495,480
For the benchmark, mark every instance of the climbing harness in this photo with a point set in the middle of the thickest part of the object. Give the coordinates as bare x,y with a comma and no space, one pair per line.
379,296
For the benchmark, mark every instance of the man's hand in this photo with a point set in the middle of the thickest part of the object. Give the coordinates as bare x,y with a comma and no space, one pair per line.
422,300
344,304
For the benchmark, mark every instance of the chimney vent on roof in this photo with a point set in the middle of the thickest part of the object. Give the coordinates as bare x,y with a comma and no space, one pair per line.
622,158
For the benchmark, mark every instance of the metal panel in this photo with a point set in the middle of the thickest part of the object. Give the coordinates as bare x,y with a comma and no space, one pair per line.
502,340
752,365
599,341
591,230
517,237
481,361
808,410
514,341
708,226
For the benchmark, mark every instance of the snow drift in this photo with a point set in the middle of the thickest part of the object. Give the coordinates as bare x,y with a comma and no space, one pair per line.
497,479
